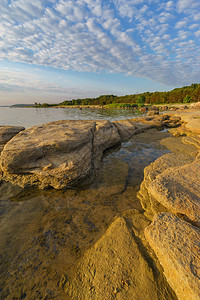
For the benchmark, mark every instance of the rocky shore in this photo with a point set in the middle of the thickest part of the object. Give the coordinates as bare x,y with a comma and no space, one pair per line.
152,253
62,154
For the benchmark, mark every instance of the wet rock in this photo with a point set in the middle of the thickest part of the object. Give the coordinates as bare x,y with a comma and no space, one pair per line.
7,132
176,244
57,154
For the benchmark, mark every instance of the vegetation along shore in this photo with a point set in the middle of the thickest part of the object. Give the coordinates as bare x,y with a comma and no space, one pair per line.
186,94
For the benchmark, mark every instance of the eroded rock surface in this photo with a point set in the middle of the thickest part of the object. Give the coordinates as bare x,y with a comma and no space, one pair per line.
64,153
149,202
115,268
57,154
7,132
178,189
177,246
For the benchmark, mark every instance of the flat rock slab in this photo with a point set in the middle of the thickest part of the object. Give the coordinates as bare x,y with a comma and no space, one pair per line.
177,246
114,268
58,154
178,189
193,140
191,118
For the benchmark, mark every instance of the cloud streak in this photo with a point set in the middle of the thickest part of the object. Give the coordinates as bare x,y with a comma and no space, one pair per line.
157,40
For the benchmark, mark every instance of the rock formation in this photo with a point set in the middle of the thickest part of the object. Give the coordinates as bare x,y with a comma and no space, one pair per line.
176,244
115,269
57,154
7,132
171,185
64,153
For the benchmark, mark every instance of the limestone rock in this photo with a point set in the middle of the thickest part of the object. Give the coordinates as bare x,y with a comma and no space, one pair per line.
7,132
126,128
177,246
106,135
193,140
191,118
169,160
178,189
195,105
57,154
114,268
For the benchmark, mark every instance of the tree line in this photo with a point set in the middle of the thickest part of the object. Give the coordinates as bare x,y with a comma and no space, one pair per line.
184,94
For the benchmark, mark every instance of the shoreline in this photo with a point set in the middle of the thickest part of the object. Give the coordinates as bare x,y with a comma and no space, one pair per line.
169,195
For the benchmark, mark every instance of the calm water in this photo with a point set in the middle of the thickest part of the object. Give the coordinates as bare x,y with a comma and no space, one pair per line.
28,117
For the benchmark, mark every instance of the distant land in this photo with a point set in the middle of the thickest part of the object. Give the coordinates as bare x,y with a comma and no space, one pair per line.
185,94
22,105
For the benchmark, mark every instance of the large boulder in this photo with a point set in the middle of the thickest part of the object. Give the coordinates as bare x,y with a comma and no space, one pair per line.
58,154
7,132
177,246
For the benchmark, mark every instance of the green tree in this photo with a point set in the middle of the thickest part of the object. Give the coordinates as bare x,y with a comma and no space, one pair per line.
187,99
140,100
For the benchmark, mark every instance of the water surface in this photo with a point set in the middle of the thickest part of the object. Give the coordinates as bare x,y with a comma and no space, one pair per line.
28,117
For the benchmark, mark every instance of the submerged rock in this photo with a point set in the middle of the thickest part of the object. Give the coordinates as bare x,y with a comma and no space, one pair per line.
177,246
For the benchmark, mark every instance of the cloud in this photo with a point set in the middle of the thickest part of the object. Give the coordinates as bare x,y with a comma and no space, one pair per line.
137,37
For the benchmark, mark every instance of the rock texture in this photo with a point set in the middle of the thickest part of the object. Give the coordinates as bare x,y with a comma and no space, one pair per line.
64,153
171,186
115,268
191,119
149,202
57,154
178,189
7,132
177,246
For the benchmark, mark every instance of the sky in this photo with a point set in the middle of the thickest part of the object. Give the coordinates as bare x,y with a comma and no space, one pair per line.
55,50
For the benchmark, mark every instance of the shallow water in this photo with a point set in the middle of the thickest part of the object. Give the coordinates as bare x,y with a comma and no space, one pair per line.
43,233
28,117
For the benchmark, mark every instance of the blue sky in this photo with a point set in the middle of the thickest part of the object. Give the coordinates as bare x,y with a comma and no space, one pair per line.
56,50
